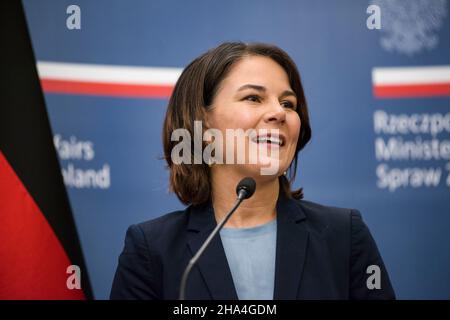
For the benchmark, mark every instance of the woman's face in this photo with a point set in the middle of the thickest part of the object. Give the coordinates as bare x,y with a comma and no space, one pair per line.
257,95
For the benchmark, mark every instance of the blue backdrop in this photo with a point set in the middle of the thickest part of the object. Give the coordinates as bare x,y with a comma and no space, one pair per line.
336,53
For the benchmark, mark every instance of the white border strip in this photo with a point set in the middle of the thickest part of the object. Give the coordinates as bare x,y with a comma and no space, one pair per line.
107,73
411,75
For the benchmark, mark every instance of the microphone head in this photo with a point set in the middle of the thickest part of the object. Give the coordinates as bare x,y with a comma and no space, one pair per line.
248,186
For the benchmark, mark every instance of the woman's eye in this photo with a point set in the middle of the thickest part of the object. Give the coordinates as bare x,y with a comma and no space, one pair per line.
288,104
253,98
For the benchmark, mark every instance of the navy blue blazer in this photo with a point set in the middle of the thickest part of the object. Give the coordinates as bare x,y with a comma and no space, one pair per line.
321,253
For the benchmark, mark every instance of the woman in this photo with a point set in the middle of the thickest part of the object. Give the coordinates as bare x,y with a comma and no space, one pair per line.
275,246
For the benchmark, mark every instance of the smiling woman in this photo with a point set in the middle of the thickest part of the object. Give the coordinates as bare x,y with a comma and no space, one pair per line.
276,245
232,87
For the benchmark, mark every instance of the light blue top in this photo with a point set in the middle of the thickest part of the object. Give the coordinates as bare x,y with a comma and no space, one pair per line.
251,257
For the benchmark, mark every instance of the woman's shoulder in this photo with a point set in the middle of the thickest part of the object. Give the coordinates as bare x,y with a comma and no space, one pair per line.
318,216
317,210
324,216
164,223
313,211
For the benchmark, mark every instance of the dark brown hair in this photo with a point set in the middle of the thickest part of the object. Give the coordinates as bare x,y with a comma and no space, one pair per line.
194,93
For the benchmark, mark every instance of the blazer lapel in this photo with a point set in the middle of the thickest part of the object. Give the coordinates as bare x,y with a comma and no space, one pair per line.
292,242
213,264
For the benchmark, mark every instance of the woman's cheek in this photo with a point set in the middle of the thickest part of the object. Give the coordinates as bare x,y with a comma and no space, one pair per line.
295,128
245,119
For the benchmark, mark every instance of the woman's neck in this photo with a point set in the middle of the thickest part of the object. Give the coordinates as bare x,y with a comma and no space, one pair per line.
257,210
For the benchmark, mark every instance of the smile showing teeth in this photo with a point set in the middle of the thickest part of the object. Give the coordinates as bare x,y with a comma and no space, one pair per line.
265,139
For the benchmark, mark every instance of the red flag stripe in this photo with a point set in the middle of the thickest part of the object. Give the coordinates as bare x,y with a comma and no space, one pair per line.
106,89
410,91
410,82
33,261
107,80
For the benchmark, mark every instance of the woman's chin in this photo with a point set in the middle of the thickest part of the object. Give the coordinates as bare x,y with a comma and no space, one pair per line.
262,171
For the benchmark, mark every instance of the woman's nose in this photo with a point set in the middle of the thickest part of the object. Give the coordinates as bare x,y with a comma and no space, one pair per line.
276,113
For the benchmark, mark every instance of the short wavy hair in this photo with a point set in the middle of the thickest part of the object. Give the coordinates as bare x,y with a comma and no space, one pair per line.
193,95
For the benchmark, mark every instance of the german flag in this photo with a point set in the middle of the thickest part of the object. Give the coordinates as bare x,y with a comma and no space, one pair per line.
40,253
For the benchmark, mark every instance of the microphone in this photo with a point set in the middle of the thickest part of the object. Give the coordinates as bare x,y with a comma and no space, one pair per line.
244,190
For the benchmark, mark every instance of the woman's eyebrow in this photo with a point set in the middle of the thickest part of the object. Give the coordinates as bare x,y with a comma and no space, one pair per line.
288,93
252,86
285,93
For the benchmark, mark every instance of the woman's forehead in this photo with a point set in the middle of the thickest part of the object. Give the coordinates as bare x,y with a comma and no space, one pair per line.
258,71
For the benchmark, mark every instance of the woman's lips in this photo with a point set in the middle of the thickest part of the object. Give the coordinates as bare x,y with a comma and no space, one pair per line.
271,140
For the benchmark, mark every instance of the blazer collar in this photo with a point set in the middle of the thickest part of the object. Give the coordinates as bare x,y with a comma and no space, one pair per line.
292,243
213,264
292,238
